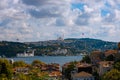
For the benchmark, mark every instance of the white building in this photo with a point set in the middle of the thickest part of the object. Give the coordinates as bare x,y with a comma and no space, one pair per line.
26,54
60,51
82,76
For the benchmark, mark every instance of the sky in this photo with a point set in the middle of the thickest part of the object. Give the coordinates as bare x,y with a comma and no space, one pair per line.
39,20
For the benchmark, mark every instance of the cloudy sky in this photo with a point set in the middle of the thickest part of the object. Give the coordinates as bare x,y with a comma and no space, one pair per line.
36,20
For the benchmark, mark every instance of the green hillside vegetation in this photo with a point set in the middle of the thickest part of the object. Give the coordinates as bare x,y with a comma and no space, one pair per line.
72,45
10,49
7,71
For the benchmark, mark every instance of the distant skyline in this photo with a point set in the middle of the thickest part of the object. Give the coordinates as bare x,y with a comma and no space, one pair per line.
38,20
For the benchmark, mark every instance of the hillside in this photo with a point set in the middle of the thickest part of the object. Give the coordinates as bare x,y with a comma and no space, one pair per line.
10,49
70,46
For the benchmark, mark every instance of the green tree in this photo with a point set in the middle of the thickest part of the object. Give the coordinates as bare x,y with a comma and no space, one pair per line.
5,69
69,68
117,66
114,74
96,75
36,74
110,58
19,64
37,63
21,76
86,59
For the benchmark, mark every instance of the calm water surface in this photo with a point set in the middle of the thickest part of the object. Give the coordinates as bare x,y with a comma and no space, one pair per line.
50,59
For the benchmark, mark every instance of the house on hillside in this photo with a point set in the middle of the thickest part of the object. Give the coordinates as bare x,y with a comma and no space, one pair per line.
96,57
55,75
53,67
110,55
110,52
24,70
82,76
105,66
83,67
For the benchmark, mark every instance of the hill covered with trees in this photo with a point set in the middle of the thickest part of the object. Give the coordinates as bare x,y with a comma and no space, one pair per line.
10,49
70,46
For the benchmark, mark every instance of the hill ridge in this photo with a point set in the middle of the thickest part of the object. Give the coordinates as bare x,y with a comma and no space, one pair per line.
69,46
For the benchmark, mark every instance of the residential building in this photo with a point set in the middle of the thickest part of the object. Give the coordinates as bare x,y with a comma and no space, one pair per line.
96,57
110,52
82,76
84,67
105,66
55,75
53,67
24,70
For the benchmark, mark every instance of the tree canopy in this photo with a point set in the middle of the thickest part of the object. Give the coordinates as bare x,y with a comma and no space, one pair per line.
5,69
117,65
19,64
114,74
69,68
37,62
86,59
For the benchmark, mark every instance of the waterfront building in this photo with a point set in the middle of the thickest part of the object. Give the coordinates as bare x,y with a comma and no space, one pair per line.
28,53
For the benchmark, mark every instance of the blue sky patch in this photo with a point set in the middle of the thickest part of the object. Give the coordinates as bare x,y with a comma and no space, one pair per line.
78,6
107,5
4,22
104,12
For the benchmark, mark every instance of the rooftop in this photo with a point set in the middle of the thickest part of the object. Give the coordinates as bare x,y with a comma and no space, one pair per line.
106,63
82,74
83,65
109,52
55,74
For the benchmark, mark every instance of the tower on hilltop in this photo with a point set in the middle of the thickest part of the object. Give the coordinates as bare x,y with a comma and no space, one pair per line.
60,38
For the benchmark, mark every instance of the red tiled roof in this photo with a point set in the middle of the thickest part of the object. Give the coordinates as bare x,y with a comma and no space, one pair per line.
55,74
106,63
109,52
82,74
83,65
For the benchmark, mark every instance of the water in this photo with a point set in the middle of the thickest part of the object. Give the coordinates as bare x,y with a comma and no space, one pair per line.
49,59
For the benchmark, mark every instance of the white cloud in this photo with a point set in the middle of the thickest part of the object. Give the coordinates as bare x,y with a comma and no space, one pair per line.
33,20
87,9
